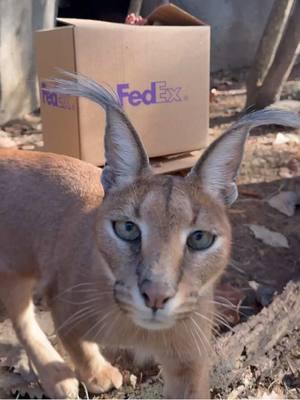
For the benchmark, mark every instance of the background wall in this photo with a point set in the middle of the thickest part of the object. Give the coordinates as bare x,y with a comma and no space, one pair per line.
18,85
236,27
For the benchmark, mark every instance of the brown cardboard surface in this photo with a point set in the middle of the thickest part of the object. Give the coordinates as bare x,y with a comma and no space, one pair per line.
60,125
169,14
176,163
143,57
168,64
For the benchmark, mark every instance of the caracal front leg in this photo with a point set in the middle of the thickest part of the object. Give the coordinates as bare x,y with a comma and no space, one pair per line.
185,379
57,379
92,368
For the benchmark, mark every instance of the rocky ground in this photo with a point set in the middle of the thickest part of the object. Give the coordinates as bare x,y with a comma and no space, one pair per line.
265,258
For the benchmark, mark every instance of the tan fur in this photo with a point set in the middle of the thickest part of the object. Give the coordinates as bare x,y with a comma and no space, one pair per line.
56,230
152,295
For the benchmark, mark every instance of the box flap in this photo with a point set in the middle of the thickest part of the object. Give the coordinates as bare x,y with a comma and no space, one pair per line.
177,162
169,14
65,22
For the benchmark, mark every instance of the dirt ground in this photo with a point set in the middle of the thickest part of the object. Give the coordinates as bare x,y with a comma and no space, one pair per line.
257,272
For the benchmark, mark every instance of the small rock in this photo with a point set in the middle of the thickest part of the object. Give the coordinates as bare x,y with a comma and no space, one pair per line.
3,134
281,139
133,380
284,172
38,127
292,380
269,396
264,294
236,393
285,202
28,147
40,143
7,143
274,239
293,138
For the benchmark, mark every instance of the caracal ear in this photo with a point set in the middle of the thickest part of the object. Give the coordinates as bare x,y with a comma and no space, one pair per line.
218,167
126,158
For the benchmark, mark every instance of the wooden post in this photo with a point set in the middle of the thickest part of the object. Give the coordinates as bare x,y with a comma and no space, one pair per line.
267,47
283,62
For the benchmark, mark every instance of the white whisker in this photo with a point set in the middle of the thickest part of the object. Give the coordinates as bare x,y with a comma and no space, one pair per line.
104,326
74,287
222,321
90,300
201,335
191,331
76,319
211,322
98,322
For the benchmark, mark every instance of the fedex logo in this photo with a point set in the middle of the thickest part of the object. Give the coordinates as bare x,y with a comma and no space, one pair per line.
55,99
158,92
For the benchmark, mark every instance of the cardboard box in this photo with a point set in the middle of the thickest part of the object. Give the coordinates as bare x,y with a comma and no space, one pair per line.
161,74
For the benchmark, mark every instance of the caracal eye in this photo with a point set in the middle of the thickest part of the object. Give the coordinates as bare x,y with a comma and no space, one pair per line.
127,230
200,240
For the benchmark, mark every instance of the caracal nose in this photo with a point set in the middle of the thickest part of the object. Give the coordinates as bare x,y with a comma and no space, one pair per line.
156,294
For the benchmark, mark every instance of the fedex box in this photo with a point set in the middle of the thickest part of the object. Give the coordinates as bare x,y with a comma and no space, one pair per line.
160,72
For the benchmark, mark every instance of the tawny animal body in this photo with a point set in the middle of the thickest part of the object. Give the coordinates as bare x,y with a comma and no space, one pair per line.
53,231
131,263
